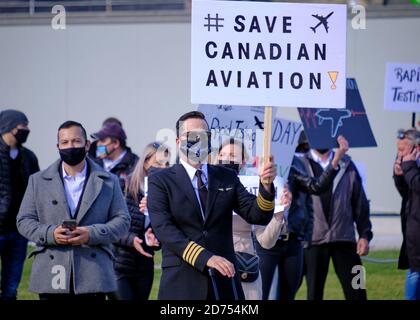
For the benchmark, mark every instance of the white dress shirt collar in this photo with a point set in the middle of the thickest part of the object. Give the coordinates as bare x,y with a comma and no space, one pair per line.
81,174
321,162
193,178
73,187
191,170
110,164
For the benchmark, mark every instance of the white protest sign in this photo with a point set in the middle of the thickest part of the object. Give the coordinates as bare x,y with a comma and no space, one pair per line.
237,121
252,184
402,87
268,54
146,185
146,189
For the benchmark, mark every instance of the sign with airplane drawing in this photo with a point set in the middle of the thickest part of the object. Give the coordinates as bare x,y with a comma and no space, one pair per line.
268,54
322,21
323,126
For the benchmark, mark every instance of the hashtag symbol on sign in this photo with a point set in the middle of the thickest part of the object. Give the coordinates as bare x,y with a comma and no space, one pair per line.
215,23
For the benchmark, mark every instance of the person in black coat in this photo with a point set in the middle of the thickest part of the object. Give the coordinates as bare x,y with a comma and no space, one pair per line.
17,163
411,171
338,213
285,251
190,207
134,264
405,143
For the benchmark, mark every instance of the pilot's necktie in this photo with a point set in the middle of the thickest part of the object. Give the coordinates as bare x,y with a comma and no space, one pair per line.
202,191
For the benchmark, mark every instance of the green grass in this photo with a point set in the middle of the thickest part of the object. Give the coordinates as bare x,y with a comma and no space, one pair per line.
383,281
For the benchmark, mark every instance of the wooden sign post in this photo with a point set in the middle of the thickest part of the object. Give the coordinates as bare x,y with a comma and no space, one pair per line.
268,121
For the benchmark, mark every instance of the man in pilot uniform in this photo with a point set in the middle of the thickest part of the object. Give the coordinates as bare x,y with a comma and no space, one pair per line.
190,206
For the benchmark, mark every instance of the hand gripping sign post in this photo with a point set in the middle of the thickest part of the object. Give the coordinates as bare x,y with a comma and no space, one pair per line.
270,54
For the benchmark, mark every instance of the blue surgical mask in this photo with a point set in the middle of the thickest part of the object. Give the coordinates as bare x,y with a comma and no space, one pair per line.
101,150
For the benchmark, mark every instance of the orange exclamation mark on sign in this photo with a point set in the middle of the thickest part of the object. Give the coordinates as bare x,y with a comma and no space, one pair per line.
333,76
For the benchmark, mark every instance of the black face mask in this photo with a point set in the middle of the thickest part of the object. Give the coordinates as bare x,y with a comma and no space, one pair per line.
73,156
197,149
22,135
322,151
230,165
302,148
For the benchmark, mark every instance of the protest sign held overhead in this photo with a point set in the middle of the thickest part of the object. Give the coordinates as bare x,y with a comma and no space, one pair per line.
402,87
246,125
269,54
323,126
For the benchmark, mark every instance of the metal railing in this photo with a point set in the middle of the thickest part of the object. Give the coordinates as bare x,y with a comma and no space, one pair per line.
21,12
33,7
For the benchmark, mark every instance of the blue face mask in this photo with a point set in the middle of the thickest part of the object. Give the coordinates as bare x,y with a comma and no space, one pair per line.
101,150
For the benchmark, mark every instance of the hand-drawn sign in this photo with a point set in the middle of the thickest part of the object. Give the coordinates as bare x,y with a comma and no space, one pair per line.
323,126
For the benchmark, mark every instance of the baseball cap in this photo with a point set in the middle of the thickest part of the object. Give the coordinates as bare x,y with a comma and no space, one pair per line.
110,130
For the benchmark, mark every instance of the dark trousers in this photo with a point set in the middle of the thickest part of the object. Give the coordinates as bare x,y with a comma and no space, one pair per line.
136,287
344,256
287,256
12,253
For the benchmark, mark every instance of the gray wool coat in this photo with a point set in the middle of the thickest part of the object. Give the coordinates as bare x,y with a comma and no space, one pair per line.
102,210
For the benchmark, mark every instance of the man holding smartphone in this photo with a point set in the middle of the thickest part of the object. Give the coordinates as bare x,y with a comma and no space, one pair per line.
73,211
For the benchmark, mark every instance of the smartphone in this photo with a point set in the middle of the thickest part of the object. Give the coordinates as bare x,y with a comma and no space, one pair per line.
69,224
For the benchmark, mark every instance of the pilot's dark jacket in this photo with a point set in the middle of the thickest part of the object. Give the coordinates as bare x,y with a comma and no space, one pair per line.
187,240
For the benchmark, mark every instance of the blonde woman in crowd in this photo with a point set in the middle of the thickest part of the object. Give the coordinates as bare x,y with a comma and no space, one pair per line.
232,154
134,253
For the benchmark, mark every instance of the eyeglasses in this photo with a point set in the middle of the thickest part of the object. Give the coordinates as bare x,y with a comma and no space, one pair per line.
195,136
410,134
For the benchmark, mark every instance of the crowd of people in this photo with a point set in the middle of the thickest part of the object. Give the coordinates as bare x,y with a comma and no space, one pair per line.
99,213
